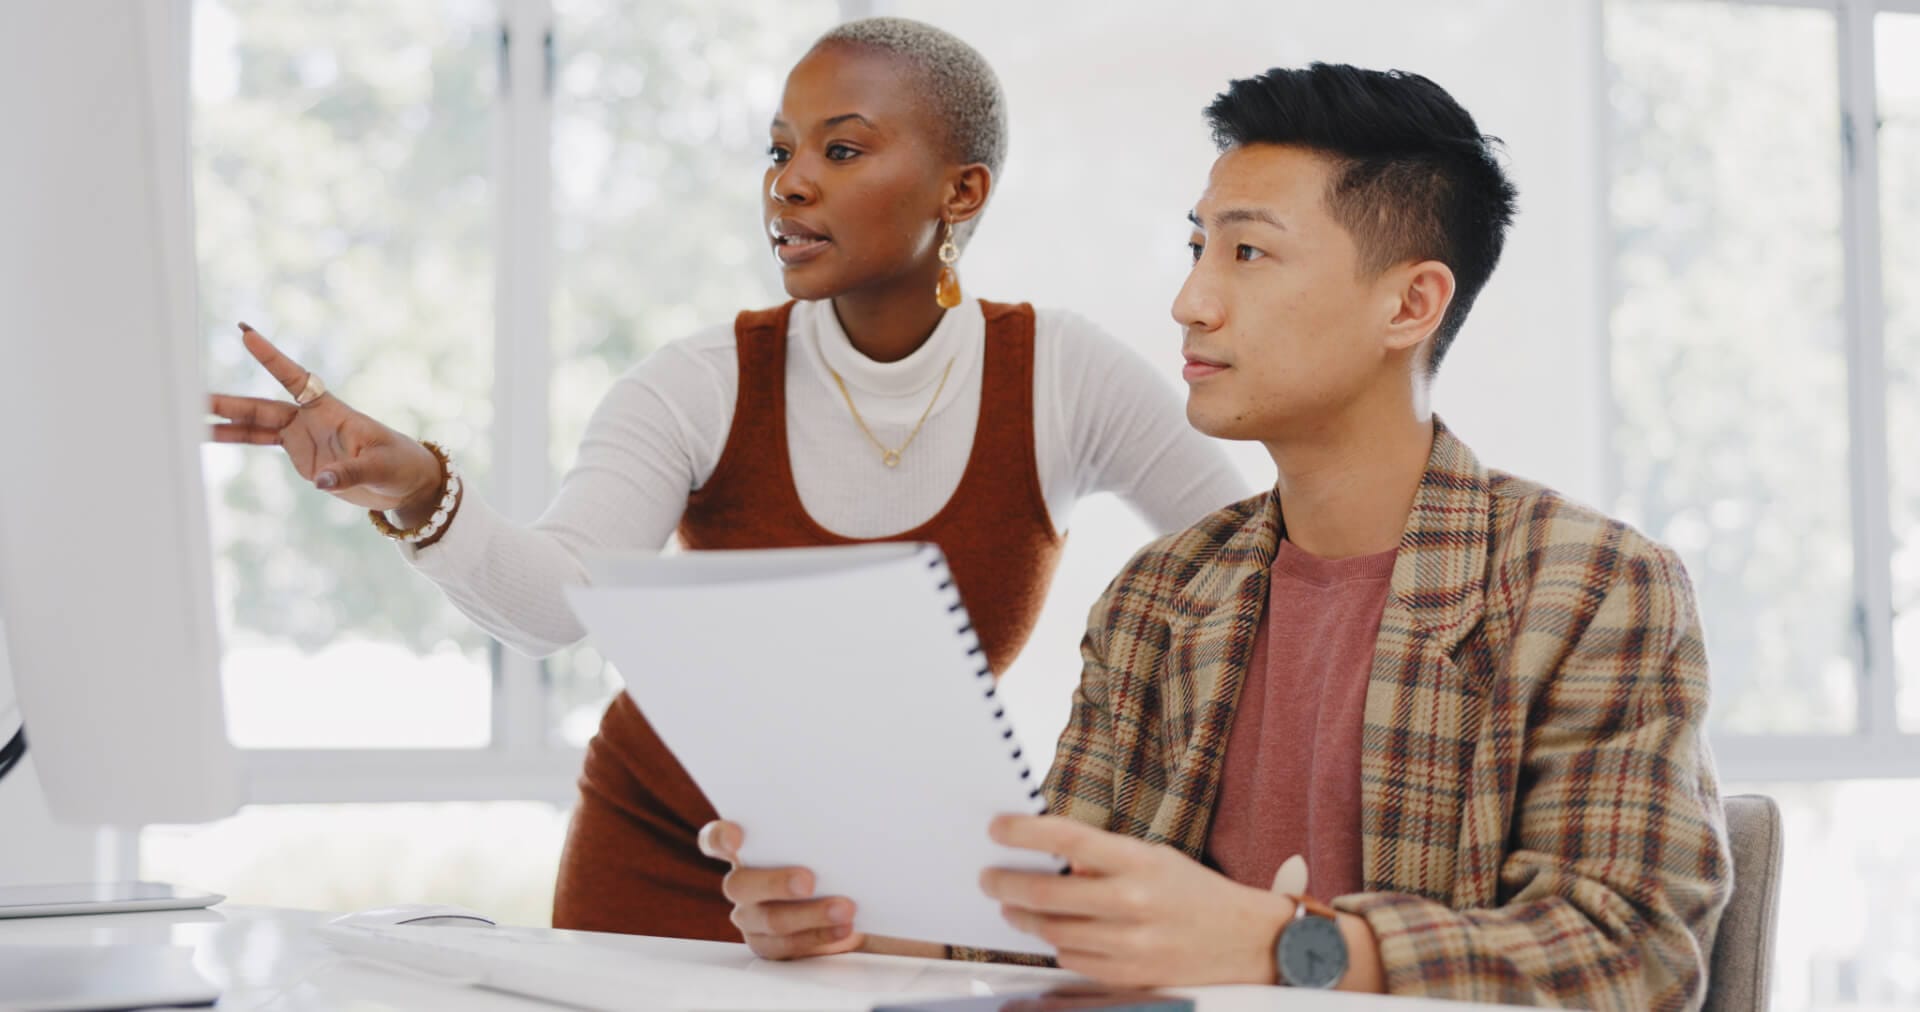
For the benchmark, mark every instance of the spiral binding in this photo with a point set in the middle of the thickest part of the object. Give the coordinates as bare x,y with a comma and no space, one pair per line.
937,564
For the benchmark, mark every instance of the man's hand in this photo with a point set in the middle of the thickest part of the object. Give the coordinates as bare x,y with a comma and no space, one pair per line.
1133,914
775,907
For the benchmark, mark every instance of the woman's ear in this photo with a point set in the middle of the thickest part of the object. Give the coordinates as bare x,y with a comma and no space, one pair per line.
967,190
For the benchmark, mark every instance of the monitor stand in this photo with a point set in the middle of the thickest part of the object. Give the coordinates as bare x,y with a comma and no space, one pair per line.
78,898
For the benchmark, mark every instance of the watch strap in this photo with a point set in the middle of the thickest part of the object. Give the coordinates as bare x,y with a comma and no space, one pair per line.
1307,906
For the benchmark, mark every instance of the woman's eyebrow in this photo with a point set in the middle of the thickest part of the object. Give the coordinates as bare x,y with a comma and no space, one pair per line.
832,121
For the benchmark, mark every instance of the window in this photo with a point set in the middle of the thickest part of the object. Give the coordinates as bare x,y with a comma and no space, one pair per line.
1762,354
1765,359
496,857
341,170
1729,355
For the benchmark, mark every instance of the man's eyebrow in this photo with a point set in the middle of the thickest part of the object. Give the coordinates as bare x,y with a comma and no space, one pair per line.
1240,215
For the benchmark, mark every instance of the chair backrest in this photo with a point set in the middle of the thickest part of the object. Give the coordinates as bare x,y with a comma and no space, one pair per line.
1739,978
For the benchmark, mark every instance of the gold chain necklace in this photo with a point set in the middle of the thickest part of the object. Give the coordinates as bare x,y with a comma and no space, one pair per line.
889,455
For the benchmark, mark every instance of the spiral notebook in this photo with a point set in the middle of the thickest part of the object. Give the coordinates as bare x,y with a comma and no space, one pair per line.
836,703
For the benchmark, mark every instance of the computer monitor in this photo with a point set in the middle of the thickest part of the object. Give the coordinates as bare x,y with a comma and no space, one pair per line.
105,571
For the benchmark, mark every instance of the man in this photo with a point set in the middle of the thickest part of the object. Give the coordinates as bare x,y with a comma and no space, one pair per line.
1473,710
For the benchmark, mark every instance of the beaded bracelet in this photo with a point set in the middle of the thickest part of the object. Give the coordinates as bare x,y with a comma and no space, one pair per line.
449,503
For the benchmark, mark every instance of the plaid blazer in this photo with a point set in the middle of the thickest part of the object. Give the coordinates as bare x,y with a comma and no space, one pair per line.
1540,819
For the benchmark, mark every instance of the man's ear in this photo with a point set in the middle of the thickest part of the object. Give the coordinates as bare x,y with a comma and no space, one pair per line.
1423,291
967,191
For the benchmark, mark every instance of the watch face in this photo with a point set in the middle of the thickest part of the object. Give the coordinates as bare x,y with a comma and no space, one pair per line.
1312,953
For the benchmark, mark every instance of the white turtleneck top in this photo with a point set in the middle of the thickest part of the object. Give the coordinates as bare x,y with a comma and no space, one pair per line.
1103,422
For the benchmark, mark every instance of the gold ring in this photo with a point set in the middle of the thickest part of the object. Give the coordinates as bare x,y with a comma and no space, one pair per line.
313,391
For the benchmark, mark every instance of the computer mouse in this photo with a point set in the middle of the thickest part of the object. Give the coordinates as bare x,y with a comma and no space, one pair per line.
434,914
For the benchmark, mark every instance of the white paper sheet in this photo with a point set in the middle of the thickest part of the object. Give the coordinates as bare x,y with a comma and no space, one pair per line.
830,701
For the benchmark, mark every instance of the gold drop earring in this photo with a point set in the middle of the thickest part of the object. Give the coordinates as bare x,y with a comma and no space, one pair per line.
947,291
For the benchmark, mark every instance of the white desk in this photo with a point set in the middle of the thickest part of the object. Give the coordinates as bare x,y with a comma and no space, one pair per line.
269,959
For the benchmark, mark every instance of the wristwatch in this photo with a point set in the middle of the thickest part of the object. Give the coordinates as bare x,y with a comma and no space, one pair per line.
1310,951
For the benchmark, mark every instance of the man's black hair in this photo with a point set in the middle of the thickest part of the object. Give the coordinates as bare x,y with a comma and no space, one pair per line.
1415,179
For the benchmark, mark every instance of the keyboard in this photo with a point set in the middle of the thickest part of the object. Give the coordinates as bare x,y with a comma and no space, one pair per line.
574,972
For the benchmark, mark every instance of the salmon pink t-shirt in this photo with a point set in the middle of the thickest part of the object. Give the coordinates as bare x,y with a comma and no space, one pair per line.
1292,775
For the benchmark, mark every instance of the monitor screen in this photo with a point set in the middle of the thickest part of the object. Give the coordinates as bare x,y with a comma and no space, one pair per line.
105,570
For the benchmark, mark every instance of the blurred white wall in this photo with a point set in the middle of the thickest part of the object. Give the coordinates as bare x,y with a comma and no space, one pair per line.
1109,151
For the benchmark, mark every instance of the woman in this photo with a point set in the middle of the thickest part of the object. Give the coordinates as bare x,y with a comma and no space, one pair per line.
876,406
